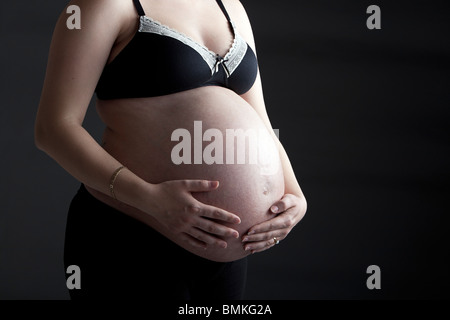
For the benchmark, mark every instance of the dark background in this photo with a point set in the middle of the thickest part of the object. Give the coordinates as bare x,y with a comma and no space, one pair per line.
363,114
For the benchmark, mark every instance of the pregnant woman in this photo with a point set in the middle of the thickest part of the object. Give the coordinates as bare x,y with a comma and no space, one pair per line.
155,218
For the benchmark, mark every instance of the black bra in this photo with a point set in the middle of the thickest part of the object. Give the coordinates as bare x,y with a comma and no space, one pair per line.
160,61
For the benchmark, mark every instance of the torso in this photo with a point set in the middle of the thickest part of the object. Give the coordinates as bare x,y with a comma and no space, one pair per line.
138,134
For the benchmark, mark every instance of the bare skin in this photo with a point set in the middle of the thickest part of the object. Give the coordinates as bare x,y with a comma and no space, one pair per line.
189,205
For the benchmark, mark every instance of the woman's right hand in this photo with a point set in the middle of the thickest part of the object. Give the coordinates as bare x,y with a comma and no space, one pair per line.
194,221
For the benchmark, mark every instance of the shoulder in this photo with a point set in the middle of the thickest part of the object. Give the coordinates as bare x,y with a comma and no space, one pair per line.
115,14
102,6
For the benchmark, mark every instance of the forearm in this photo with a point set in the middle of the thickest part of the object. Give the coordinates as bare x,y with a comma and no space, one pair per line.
79,154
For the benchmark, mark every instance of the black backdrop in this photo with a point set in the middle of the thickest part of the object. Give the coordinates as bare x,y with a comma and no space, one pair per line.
363,114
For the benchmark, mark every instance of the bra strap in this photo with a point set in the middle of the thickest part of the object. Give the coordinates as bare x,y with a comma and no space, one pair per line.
219,2
139,8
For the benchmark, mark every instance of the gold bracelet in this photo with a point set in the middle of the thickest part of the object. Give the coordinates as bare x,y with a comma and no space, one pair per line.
113,179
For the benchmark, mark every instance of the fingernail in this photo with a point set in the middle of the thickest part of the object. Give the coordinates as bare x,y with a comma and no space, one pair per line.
248,248
236,235
214,184
251,232
245,239
274,209
223,245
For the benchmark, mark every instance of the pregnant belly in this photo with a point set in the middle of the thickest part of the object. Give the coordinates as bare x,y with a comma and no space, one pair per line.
219,137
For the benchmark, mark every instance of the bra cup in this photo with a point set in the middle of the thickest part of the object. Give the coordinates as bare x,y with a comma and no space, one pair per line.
244,76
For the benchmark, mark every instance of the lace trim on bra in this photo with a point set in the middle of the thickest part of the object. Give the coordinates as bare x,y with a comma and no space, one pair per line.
231,60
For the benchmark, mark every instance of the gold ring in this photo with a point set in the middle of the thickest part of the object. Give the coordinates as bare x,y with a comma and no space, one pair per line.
276,241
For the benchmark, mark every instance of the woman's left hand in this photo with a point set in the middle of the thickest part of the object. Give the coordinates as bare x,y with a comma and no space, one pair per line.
288,212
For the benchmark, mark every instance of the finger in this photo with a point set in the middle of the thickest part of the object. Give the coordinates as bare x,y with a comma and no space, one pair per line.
283,221
279,234
200,185
206,238
216,228
192,241
255,247
282,205
219,214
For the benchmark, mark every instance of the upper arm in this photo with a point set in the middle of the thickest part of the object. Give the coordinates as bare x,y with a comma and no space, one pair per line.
254,96
76,60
